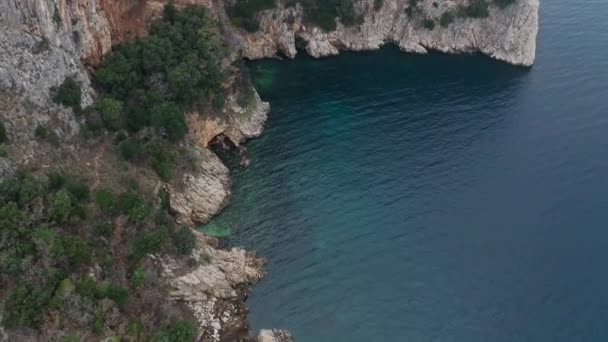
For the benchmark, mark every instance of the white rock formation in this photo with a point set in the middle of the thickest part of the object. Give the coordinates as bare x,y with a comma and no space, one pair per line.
215,289
508,34
202,193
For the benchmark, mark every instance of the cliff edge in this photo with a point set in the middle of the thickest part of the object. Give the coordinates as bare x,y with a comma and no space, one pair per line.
507,34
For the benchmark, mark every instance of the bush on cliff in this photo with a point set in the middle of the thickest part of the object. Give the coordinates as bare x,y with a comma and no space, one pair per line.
477,9
69,94
446,19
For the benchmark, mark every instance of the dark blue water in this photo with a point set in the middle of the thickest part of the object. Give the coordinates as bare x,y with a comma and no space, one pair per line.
435,198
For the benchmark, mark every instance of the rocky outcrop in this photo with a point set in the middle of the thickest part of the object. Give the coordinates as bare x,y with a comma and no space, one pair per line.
274,335
215,288
237,122
507,34
202,192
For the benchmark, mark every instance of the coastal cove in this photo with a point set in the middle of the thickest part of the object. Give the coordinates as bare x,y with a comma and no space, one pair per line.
450,198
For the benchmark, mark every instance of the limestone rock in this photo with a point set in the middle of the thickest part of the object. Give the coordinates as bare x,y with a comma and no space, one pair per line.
202,193
215,289
274,335
507,34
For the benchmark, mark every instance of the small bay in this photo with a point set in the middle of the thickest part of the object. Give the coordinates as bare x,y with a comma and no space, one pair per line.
434,198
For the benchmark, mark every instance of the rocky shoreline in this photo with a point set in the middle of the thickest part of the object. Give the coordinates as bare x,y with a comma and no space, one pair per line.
37,51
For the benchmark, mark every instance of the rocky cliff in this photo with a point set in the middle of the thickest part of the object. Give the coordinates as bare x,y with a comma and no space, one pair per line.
44,41
507,34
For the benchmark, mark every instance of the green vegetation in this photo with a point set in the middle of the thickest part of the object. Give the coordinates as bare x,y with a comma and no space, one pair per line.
181,331
48,249
151,82
69,94
446,19
428,24
477,9
183,240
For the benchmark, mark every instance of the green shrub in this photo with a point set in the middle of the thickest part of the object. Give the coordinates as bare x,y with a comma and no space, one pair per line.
79,190
75,250
110,111
162,161
69,94
61,207
3,133
104,200
378,4
180,331
29,189
134,206
429,24
116,293
478,9
104,229
184,240
25,305
56,181
149,242
169,119
446,19
137,277
130,148
41,132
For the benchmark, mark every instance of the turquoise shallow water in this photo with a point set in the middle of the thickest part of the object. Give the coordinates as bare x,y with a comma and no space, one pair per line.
434,198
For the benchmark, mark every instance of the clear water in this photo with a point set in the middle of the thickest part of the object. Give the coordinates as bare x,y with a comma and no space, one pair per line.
434,198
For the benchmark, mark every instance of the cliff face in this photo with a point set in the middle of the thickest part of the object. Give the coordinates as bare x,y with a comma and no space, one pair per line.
507,34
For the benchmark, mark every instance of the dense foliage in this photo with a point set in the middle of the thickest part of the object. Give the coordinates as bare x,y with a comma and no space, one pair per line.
52,236
151,82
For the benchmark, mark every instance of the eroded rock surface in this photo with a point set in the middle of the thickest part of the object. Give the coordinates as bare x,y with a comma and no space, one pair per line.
201,193
216,287
508,34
